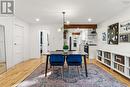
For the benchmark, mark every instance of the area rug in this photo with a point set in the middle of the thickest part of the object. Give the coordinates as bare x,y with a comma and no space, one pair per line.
96,78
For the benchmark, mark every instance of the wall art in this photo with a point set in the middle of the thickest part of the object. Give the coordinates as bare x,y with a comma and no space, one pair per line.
113,31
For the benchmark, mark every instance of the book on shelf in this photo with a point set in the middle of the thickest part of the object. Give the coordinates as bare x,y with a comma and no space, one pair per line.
119,59
121,68
107,55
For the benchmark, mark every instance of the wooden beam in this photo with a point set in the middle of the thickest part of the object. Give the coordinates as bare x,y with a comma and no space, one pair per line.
81,26
76,33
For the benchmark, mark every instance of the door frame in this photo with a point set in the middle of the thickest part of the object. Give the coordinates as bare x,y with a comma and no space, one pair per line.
48,33
5,45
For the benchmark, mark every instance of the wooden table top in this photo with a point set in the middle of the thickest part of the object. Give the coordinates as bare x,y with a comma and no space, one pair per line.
65,53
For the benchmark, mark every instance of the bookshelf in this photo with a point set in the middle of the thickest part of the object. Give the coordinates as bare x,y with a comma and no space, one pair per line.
99,55
107,58
117,62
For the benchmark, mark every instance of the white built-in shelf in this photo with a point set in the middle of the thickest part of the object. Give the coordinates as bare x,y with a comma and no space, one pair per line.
119,63
119,71
99,55
107,65
107,59
115,61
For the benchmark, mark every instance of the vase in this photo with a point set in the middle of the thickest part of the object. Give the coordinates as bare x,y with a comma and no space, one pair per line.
65,50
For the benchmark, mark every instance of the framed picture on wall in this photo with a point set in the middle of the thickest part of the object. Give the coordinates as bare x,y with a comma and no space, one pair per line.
125,37
124,31
113,31
125,27
104,36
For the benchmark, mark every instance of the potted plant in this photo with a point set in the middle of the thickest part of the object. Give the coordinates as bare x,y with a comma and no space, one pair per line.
65,48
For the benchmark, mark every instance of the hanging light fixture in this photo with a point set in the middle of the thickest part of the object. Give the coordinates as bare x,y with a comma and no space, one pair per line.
63,22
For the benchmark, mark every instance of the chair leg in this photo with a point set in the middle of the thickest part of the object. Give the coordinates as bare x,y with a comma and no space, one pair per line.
78,70
53,69
50,66
68,70
62,72
81,65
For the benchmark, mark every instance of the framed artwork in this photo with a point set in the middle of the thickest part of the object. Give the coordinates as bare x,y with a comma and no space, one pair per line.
113,31
125,31
104,36
125,27
125,37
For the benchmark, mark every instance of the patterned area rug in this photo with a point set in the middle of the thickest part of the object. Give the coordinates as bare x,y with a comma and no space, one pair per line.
96,78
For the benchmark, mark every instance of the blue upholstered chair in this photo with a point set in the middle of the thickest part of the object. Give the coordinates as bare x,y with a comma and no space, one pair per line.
74,60
57,60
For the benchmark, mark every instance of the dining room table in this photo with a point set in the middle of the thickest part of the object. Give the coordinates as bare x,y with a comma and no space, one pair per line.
83,54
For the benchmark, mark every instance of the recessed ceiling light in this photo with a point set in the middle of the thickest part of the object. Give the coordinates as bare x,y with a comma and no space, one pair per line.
67,22
77,28
37,19
59,30
89,20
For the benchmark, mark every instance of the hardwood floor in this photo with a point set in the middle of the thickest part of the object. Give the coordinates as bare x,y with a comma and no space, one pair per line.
2,67
115,74
18,73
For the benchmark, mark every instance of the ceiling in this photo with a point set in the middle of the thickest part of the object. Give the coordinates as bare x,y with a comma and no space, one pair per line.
77,11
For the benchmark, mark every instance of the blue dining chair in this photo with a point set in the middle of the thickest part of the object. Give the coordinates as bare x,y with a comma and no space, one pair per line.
57,60
74,60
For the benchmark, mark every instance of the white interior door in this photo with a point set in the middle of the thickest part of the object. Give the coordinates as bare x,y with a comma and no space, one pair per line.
44,41
18,44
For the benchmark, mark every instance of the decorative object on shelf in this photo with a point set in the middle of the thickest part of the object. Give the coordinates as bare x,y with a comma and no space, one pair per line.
119,59
113,33
65,47
104,36
125,27
125,37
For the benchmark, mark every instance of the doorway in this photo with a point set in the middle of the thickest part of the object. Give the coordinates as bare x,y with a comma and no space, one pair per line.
44,41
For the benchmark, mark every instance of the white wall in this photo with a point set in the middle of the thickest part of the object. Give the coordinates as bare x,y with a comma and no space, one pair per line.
55,39
9,23
122,48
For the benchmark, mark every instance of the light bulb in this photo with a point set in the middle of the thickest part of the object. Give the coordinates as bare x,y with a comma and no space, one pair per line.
37,19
